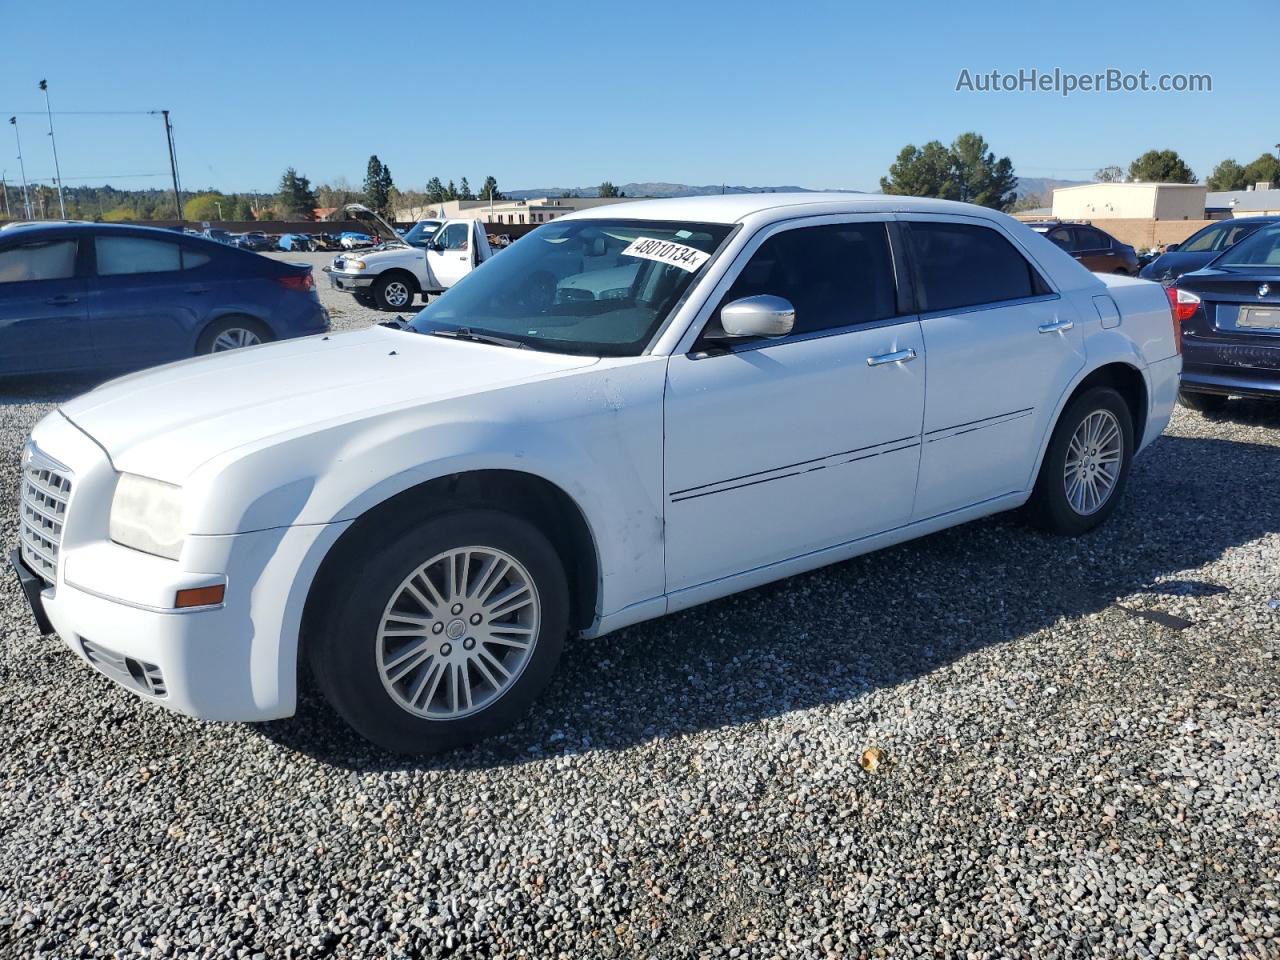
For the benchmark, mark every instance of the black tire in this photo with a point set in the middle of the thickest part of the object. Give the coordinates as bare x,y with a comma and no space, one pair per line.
1203,402
1049,507
343,654
394,291
228,325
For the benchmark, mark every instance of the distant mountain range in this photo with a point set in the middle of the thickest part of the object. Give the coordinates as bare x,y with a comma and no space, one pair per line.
1026,185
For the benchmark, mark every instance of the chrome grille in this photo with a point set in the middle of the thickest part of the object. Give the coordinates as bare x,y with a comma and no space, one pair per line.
138,675
42,505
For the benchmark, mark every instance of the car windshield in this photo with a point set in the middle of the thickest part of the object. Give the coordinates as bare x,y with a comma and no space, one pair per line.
1262,249
420,234
597,287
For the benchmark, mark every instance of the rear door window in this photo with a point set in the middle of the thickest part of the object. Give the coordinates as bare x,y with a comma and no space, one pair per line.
835,275
38,260
1063,237
1089,239
965,265
122,256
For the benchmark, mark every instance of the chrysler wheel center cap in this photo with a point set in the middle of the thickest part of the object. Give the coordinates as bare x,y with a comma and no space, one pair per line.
455,630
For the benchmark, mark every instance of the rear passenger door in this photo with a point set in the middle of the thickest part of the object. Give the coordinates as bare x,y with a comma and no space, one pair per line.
776,448
1002,347
42,307
148,301
1095,250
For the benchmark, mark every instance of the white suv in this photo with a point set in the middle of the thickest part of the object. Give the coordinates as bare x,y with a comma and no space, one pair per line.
619,417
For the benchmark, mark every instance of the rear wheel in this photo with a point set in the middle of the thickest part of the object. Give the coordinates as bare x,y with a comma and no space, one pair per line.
1203,402
394,292
445,632
232,333
1086,464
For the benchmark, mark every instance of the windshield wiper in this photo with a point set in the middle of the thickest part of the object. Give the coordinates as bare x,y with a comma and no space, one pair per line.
466,333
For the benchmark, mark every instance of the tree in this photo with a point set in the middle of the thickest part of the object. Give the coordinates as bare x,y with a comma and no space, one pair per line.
982,178
1161,166
464,191
435,190
296,198
1029,201
490,190
378,184
1227,175
1265,169
337,194
921,172
244,208
207,206
1112,174
607,189
451,192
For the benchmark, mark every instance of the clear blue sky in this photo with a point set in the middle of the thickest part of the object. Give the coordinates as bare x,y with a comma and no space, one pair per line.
552,93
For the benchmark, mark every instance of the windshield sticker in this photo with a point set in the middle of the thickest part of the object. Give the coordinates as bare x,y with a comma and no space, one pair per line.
664,251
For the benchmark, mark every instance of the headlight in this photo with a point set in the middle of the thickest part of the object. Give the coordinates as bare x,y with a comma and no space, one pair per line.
355,264
146,515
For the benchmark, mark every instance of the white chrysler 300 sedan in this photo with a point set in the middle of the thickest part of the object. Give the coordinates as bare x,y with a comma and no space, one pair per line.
632,410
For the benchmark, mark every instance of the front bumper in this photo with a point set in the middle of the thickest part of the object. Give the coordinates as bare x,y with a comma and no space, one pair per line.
348,282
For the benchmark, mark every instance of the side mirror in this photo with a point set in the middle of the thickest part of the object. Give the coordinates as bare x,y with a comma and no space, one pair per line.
759,316
1172,248
435,245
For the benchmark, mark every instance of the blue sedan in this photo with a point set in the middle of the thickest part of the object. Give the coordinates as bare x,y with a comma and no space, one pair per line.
87,296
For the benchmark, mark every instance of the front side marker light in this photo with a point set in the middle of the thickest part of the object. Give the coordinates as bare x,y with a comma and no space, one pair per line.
200,596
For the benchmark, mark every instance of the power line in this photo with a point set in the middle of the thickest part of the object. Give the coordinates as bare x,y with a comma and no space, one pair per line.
107,176
83,113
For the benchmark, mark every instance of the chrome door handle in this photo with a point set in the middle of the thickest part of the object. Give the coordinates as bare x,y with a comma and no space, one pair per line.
1056,326
898,356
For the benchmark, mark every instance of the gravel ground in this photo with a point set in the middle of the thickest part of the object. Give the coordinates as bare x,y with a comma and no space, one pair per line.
1079,759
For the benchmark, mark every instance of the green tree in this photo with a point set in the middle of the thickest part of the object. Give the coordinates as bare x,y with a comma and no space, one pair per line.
243,208
451,192
1111,174
296,198
435,190
1265,168
922,172
607,189
207,206
378,184
1029,201
1227,175
1161,166
981,178
464,191
490,190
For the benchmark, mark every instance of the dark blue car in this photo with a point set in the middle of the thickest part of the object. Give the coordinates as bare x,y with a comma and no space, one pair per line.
1202,247
1229,313
87,296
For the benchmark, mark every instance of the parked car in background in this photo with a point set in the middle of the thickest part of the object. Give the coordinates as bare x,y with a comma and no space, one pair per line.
1096,249
1202,247
1230,317
218,235
351,240
255,240
101,297
394,273
324,241
418,517
295,241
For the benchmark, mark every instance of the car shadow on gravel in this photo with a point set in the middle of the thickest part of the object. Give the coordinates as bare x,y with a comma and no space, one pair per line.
883,619
47,389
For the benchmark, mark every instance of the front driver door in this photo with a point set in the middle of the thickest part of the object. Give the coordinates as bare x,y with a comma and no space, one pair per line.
449,254
42,308
778,448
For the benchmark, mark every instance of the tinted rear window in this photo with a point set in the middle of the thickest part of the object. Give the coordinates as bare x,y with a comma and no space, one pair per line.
961,265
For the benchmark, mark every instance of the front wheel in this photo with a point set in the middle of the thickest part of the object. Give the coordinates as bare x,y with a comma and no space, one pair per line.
445,633
393,292
1086,464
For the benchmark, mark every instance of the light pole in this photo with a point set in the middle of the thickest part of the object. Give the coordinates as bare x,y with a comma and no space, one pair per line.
218,204
62,207
5,184
22,167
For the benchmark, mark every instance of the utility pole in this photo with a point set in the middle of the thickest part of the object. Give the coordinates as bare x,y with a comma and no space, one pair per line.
57,173
173,164
5,184
22,167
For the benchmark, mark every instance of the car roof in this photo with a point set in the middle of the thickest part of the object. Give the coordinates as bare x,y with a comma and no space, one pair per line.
737,207
81,226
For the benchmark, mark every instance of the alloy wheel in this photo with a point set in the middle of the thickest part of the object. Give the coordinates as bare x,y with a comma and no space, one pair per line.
1094,458
396,293
234,338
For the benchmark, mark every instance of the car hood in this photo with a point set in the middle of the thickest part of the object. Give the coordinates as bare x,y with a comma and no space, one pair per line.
1173,265
374,225
164,423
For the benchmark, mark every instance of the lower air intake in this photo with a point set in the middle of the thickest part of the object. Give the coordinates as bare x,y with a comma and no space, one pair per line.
138,675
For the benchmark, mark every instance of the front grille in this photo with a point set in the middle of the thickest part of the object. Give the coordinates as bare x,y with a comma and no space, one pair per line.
138,675
339,263
42,505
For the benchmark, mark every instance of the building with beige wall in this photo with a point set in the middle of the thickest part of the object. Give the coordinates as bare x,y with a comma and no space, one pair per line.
1130,201
534,210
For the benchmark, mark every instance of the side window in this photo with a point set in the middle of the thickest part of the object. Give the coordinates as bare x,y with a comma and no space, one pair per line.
1062,237
455,236
1089,239
38,260
962,265
194,258
118,255
834,275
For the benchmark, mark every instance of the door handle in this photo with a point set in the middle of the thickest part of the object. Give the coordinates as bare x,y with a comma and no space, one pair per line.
898,356
1056,326
62,300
